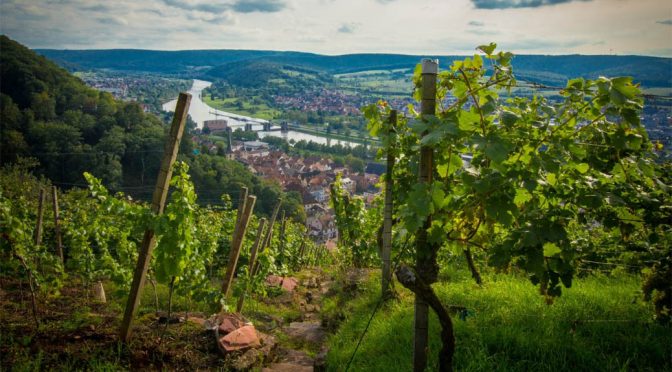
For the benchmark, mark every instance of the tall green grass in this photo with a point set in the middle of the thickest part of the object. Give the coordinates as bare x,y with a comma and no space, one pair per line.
600,324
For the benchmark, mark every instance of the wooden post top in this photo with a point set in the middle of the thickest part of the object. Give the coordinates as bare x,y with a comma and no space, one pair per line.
430,66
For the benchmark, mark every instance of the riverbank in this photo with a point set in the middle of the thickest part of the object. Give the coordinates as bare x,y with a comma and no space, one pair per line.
336,136
200,111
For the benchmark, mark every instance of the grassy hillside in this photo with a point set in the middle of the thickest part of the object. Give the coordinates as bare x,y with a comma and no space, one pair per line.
600,324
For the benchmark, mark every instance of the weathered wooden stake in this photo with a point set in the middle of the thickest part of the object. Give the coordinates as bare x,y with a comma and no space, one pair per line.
40,218
242,199
99,292
57,225
283,226
269,234
425,252
253,259
320,253
302,248
236,244
257,242
313,254
387,212
409,279
158,203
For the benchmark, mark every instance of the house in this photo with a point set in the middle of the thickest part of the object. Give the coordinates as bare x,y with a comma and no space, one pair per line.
319,193
254,145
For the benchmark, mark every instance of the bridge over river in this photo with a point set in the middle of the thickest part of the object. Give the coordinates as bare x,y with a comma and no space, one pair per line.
201,112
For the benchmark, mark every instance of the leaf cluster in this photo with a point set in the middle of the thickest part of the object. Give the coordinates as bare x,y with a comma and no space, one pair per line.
527,181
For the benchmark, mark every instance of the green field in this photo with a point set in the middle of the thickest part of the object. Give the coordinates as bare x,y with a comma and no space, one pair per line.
246,107
393,83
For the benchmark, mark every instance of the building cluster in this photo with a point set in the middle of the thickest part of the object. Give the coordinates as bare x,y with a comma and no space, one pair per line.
311,178
131,88
327,100
119,87
334,101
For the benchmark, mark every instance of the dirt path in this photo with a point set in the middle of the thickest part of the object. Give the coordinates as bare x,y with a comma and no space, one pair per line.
74,331
302,342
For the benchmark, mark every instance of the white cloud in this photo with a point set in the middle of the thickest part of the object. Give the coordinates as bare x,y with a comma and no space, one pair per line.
348,28
116,21
343,26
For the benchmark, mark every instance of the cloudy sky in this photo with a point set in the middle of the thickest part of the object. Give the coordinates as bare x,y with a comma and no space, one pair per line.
346,26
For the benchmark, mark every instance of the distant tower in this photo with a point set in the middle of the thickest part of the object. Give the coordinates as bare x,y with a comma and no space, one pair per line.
248,127
229,142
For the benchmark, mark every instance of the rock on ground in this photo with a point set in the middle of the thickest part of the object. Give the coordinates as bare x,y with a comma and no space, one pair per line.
310,331
242,338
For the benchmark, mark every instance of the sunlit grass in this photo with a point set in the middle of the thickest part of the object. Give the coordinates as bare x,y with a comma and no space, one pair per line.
600,324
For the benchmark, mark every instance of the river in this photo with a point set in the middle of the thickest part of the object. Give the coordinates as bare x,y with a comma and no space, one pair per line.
200,112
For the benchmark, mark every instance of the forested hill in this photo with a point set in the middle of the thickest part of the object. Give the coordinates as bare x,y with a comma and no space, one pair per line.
51,116
257,73
649,71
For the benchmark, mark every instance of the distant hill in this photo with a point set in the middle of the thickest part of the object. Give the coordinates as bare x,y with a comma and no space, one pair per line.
256,73
649,71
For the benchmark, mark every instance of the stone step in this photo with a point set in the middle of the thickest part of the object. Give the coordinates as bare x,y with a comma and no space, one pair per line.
287,367
310,331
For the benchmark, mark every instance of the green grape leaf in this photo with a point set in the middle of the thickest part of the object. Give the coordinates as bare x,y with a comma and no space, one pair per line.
522,197
509,118
550,249
582,167
487,49
451,166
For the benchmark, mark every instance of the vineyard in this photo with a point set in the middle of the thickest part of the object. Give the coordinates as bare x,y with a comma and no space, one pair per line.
87,245
538,233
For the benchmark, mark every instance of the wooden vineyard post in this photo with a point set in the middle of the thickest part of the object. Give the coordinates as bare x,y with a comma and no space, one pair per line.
158,203
253,259
425,252
387,212
242,199
283,226
320,254
40,218
302,250
269,234
237,243
57,225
